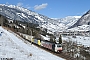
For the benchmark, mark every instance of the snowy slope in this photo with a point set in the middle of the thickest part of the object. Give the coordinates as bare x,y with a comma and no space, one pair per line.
69,20
13,47
61,24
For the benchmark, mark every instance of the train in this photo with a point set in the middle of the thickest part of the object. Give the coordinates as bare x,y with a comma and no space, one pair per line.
55,47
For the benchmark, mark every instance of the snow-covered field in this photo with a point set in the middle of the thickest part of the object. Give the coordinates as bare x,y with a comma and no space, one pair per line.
13,47
79,39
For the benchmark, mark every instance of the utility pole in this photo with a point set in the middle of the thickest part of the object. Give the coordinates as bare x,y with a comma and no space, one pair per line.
89,30
31,36
1,20
30,32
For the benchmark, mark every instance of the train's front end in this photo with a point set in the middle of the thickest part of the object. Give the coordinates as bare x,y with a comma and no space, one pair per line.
58,48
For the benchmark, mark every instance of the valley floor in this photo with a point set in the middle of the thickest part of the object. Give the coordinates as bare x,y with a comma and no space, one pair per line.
79,39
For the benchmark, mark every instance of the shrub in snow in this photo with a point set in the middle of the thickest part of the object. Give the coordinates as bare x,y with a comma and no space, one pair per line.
30,54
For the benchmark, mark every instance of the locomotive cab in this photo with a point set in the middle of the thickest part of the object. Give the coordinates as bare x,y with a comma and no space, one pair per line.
58,47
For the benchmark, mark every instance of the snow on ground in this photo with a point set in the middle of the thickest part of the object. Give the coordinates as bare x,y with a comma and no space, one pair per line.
80,28
13,47
79,39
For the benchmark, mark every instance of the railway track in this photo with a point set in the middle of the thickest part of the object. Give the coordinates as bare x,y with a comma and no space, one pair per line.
62,55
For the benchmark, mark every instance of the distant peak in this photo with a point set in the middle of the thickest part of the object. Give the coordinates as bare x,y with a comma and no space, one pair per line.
77,16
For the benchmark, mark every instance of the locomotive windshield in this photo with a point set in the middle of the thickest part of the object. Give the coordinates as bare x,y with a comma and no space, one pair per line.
59,45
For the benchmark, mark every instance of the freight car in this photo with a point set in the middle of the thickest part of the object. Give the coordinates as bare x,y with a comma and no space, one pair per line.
56,47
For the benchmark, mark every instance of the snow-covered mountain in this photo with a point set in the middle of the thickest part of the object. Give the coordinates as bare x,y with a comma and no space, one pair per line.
60,24
18,13
84,20
69,20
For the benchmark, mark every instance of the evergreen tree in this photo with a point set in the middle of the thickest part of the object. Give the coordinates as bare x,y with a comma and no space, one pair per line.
60,39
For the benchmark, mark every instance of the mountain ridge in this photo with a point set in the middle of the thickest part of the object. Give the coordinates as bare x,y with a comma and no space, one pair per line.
19,13
84,20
